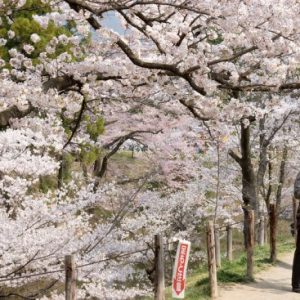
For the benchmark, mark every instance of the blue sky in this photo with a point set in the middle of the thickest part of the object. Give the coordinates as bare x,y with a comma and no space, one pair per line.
112,22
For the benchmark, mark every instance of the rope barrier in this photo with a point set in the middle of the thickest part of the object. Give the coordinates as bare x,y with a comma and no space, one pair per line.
232,224
78,267
121,255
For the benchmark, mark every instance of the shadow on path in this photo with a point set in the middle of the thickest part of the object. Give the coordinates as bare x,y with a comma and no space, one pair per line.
273,284
285,265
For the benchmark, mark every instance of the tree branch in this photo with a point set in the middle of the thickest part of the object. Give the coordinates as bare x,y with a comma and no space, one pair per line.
261,87
277,128
193,110
100,166
235,156
83,104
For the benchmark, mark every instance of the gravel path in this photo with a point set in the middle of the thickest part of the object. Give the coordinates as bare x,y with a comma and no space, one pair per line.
273,284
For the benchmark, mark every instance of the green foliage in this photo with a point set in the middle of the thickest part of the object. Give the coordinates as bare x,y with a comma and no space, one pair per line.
208,164
89,154
94,129
30,8
210,194
67,162
154,185
215,41
47,183
67,124
24,26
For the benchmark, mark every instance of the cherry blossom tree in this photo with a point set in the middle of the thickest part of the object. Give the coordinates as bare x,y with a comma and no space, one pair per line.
194,82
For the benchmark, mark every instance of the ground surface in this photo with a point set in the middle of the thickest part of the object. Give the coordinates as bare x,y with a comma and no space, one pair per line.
274,283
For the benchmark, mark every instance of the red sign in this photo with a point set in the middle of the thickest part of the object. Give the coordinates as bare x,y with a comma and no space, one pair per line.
180,268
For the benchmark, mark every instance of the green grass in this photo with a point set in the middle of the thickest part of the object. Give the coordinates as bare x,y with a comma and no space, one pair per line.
231,272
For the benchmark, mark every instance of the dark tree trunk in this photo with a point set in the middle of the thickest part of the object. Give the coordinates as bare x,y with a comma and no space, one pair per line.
263,194
248,176
262,166
281,179
274,209
270,186
273,229
263,158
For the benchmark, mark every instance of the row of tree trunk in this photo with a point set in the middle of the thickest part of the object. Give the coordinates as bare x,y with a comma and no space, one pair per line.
213,246
253,186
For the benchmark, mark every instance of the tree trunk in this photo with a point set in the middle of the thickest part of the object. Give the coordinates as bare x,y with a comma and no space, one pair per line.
281,179
159,281
270,187
248,176
250,219
211,260
263,158
218,247
71,278
273,229
274,209
294,224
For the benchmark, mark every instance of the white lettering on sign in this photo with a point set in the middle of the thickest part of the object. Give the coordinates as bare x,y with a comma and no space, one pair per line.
180,269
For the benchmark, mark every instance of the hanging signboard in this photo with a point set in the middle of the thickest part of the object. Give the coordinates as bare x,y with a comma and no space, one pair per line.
180,269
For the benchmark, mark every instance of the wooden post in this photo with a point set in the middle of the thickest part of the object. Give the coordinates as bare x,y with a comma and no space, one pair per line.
229,242
71,277
218,247
261,231
250,242
159,281
295,218
273,225
211,260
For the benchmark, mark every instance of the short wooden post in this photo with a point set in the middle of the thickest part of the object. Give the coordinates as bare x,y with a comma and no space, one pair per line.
273,225
71,277
261,231
218,247
229,242
159,281
295,218
250,242
211,260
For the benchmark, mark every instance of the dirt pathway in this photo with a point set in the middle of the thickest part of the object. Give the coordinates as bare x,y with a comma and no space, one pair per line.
273,284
